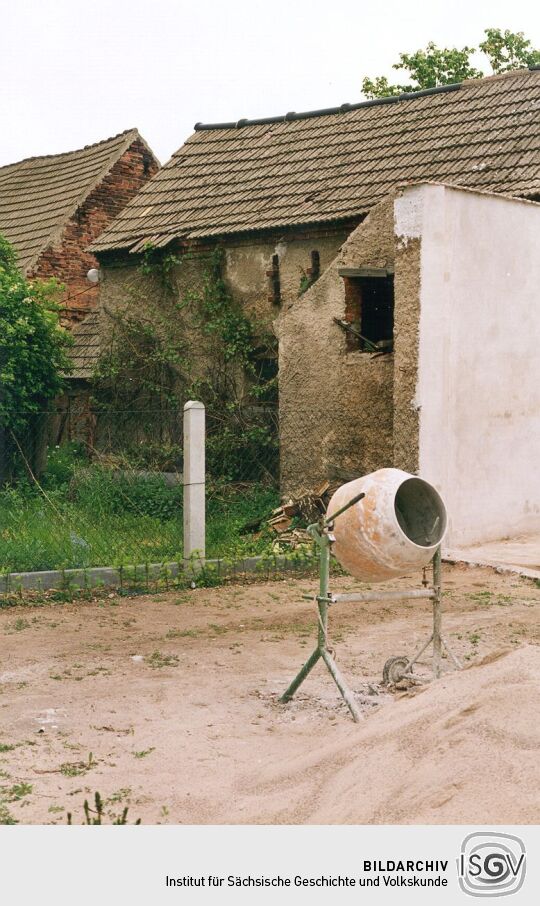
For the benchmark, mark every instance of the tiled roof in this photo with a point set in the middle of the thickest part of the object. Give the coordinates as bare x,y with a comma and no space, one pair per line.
38,195
329,165
85,351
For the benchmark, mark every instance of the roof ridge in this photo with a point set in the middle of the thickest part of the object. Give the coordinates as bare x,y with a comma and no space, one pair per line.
497,76
103,141
373,102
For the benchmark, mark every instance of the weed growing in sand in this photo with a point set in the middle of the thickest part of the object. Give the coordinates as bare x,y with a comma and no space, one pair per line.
181,599
182,634
97,671
483,597
157,660
6,747
16,792
18,625
144,752
119,796
218,630
5,816
77,768
96,815
13,793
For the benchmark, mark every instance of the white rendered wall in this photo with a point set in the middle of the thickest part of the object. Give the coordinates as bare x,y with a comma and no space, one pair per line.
478,385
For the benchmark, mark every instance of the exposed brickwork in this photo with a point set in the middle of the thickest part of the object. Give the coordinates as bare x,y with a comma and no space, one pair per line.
68,259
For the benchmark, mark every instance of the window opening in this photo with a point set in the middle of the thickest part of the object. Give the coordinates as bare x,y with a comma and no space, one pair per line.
369,313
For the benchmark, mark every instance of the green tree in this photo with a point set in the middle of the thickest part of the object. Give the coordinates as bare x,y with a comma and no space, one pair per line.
33,346
436,66
508,50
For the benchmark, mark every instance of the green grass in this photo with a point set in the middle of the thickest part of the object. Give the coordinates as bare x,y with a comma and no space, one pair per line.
228,511
91,516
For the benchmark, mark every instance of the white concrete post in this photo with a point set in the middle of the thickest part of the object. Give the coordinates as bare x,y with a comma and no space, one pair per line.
194,480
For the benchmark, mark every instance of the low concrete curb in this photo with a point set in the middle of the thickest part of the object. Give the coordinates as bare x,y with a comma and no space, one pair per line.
116,577
455,558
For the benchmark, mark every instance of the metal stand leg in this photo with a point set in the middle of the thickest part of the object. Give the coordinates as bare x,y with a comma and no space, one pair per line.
299,679
437,614
457,663
346,694
398,668
439,642
322,647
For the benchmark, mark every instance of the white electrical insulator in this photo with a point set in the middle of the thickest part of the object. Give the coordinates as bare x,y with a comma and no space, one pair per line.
93,275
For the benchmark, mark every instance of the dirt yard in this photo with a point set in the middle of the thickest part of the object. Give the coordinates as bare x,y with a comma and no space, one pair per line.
168,704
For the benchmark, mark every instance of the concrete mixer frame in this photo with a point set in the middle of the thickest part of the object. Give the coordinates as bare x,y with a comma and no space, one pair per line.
321,532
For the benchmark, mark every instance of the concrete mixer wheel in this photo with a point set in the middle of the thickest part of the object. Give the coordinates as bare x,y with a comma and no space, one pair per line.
394,669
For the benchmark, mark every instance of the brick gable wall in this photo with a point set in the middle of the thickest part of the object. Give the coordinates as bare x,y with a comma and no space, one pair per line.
67,259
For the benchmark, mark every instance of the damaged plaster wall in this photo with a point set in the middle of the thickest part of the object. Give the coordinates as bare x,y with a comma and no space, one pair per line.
248,262
478,386
335,404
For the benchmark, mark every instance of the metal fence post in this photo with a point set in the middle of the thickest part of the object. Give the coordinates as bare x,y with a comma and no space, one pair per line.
194,480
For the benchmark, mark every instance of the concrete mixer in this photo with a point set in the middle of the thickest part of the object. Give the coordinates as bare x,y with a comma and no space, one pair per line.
380,527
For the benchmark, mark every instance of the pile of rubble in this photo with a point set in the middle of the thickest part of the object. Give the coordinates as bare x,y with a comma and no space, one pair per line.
305,510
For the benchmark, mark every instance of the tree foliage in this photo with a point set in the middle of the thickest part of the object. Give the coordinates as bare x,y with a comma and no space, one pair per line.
435,66
33,346
508,50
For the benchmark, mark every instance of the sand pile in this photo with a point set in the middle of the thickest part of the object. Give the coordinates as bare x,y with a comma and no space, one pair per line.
462,750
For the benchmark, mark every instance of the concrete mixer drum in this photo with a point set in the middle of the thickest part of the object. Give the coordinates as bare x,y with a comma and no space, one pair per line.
395,528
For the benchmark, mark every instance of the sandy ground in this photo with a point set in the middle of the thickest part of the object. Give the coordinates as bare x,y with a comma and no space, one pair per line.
168,704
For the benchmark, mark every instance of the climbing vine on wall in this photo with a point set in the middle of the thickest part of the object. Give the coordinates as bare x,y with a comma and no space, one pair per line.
169,344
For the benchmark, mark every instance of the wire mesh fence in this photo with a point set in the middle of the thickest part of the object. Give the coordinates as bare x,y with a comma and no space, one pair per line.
242,444
83,487
74,494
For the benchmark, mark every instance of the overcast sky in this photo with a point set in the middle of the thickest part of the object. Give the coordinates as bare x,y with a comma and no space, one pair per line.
73,73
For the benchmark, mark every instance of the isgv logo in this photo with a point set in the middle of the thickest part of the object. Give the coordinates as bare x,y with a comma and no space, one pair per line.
491,864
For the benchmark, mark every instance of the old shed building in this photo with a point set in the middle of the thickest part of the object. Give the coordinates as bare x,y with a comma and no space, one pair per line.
309,211
52,208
